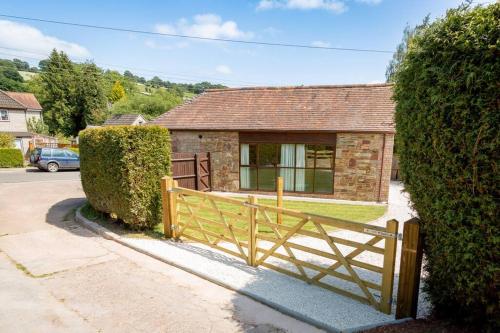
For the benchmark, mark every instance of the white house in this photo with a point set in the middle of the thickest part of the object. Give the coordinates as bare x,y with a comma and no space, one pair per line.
15,110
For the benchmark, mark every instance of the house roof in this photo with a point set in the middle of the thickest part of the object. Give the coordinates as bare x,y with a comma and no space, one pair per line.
361,108
8,102
122,119
28,100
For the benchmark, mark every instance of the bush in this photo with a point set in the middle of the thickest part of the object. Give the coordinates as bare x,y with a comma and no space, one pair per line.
6,140
121,168
447,122
11,158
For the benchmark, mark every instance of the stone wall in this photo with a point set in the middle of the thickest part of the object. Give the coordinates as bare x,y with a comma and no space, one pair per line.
224,154
358,162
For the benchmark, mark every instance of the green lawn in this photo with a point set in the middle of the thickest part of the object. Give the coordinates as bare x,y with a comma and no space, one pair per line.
355,213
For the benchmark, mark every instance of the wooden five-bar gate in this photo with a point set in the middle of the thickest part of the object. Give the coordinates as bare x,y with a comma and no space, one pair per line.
192,170
291,242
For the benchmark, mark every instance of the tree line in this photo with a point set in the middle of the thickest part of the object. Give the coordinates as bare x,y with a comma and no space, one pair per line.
74,95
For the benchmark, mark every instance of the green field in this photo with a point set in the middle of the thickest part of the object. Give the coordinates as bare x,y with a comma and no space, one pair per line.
27,75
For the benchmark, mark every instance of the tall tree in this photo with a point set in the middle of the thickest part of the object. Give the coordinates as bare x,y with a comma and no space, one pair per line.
58,91
90,100
398,56
117,92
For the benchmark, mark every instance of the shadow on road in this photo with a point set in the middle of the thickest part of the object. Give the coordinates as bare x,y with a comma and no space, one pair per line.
61,215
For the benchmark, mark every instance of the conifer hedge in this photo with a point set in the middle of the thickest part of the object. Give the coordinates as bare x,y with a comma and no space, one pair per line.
448,125
121,168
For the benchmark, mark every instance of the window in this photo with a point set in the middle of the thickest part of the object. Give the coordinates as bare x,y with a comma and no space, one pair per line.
306,168
58,153
70,154
4,115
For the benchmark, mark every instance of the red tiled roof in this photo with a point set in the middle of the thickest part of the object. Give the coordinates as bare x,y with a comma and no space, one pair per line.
28,100
8,102
361,108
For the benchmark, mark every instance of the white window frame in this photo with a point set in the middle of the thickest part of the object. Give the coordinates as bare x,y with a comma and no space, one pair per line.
1,116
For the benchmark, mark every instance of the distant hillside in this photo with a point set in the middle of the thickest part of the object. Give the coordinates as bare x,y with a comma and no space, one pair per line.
13,73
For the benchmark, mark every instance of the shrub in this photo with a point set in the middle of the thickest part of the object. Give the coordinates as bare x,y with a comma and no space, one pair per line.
11,158
6,140
447,122
121,168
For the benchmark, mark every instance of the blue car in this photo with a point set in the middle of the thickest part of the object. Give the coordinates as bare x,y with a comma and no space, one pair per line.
54,159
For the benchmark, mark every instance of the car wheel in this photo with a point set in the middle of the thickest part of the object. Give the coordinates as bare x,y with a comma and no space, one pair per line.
52,167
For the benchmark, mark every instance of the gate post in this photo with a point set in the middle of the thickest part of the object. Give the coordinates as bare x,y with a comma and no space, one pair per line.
388,269
253,229
279,199
173,209
166,186
409,271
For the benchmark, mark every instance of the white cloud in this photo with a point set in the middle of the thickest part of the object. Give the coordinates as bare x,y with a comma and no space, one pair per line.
335,6
206,26
370,2
24,37
320,43
223,69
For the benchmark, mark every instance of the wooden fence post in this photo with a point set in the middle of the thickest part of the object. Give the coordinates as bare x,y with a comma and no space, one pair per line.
173,209
279,201
166,186
409,272
253,229
388,269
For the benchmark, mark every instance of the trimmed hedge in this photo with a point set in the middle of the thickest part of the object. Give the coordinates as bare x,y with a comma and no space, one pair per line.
11,158
448,126
121,168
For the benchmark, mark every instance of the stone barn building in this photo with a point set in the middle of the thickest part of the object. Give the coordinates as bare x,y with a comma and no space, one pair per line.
325,141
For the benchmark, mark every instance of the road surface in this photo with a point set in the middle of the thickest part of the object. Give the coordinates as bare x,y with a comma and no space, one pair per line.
58,277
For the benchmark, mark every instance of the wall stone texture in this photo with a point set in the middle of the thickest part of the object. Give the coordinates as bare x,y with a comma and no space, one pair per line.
359,158
358,161
224,154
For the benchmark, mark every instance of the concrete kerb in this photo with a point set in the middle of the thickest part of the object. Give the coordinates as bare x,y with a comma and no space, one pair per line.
105,233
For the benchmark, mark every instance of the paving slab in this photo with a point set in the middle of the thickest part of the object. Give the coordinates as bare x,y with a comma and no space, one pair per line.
26,307
54,250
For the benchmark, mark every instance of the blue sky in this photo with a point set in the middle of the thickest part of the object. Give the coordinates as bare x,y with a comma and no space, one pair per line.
367,24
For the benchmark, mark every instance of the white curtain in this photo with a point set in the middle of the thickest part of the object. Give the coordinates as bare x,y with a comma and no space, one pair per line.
287,160
300,177
245,171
